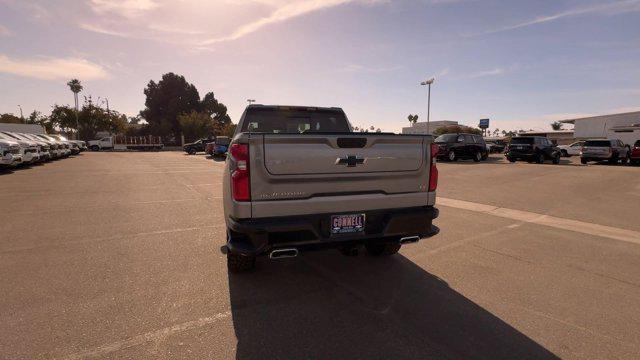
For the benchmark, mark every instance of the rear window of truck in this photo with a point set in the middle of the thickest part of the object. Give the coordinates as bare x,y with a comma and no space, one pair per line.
598,143
294,121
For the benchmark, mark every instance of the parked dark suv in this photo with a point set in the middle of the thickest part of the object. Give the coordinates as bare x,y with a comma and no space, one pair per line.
195,147
452,147
532,149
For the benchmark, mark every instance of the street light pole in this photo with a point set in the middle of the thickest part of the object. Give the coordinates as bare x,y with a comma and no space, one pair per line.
428,83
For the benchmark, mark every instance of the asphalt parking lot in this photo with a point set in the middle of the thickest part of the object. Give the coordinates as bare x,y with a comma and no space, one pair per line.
116,255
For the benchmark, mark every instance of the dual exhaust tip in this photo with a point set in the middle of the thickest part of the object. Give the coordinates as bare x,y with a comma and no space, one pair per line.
293,252
409,239
283,253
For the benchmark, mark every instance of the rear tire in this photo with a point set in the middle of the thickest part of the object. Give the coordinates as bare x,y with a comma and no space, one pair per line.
624,160
192,151
451,156
511,160
240,263
540,159
477,156
556,159
95,148
583,161
382,249
565,153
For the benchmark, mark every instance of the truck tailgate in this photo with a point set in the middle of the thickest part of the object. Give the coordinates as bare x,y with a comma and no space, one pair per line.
309,154
320,166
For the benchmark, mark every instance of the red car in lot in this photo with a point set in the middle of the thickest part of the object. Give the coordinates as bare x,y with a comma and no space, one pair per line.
208,149
635,153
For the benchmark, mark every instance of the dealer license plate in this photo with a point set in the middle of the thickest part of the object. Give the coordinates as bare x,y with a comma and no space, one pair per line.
343,224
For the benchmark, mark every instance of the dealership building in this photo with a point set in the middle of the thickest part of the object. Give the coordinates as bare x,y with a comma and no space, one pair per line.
423,128
624,126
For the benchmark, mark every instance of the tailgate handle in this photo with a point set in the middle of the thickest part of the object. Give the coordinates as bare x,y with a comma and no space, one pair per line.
351,143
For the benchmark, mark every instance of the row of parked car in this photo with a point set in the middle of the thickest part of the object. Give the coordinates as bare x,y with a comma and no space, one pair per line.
538,149
20,149
217,146
452,147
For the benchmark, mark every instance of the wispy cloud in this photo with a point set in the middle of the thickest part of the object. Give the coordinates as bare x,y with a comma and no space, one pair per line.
357,68
103,30
52,68
485,73
280,14
30,9
125,8
4,31
610,8
152,19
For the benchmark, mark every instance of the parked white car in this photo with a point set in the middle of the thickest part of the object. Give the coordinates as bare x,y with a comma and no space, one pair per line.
63,147
571,149
44,148
76,145
28,148
9,153
54,150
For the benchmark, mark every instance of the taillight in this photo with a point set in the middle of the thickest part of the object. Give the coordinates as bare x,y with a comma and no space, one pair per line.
240,179
433,172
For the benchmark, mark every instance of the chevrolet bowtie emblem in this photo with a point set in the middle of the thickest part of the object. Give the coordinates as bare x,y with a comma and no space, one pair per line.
350,161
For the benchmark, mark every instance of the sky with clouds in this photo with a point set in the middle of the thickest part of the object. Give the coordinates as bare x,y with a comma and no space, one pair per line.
522,64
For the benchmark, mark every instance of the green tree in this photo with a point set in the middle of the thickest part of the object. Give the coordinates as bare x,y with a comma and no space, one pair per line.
197,125
63,118
172,97
228,129
456,129
215,109
91,119
556,125
36,117
10,119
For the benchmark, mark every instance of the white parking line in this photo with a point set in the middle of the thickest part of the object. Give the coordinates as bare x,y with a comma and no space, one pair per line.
546,220
156,335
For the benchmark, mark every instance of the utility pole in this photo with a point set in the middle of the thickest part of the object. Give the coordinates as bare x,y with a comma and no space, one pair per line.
428,83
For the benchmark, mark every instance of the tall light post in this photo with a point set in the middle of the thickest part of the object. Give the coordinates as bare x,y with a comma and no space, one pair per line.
107,102
251,101
428,83
21,116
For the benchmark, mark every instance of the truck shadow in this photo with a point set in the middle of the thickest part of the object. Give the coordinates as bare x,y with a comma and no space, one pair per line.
324,305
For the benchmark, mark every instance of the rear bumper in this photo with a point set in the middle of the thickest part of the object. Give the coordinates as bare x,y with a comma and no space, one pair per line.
253,237
520,155
595,157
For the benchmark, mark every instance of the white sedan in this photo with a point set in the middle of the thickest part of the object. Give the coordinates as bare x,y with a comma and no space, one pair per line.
571,149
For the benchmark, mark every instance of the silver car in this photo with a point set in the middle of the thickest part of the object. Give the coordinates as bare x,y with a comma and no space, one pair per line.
611,150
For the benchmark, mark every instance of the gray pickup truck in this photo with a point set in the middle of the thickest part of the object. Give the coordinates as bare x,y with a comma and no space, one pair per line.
298,179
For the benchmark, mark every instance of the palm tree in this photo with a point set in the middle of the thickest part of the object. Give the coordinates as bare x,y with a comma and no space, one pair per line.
75,87
556,125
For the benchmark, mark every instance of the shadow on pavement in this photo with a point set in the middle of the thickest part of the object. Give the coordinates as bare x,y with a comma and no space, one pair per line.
324,305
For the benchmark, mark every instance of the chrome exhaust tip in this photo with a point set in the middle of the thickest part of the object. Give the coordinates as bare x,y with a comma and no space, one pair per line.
283,253
409,239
